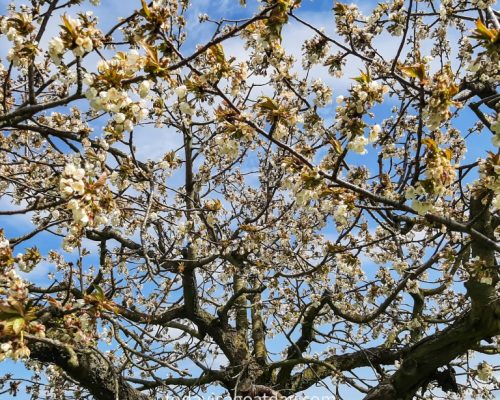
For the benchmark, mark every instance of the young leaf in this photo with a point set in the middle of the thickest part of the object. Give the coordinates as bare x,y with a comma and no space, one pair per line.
363,78
100,293
267,103
336,146
430,143
68,26
415,71
483,32
146,9
18,325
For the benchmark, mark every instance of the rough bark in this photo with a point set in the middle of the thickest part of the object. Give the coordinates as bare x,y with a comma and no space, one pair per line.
481,322
89,370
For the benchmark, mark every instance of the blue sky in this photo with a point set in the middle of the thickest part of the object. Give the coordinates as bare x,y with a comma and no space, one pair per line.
315,11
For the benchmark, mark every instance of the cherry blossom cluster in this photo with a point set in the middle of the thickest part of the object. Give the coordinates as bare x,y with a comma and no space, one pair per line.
263,44
350,111
19,29
79,35
18,319
106,93
315,50
440,174
489,169
397,16
323,93
89,199
442,88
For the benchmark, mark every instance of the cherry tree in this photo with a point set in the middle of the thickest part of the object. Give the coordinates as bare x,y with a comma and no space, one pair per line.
200,217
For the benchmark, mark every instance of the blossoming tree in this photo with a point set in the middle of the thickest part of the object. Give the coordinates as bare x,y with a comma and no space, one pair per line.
273,242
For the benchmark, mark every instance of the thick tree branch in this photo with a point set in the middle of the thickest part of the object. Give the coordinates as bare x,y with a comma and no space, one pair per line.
91,371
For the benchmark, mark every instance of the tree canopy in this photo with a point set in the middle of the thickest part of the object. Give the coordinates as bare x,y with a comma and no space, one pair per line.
186,211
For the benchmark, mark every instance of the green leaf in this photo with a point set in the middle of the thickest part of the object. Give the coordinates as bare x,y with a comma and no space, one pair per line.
430,143
414,71
6,315
100,293
217,51
145,8
68,26
150,52
18,324
267,103
448,154
336,146
363,78
483,32
14,308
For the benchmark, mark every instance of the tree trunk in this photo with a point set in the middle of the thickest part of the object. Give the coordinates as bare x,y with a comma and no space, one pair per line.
89,370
